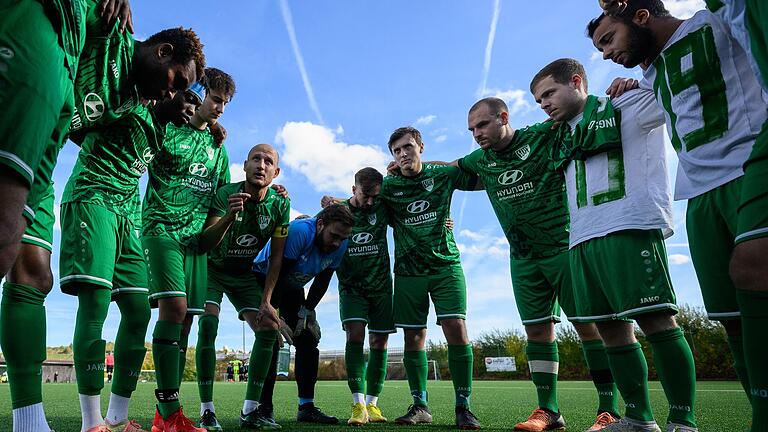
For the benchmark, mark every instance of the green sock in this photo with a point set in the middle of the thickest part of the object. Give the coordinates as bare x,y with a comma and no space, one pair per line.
22,339
205,356
630,370
375,372
183,343
258,364
600,370
677,372
460,364
544,363
754,322
129,343
165,352
355,363
736,343
416,369
88,347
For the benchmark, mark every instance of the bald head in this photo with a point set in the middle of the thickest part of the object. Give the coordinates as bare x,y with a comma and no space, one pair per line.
264,148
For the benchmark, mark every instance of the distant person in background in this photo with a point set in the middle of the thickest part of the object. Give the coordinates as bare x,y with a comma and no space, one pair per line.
110,363
230,372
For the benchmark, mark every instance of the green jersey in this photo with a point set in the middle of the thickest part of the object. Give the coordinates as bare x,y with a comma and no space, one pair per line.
112,160
250,231
418,207
183,178
104,88
365,268
68,16
526,192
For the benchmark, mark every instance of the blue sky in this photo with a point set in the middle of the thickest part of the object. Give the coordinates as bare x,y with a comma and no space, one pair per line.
327,82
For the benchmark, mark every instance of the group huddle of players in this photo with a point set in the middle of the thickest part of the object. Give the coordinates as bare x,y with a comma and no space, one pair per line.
582,198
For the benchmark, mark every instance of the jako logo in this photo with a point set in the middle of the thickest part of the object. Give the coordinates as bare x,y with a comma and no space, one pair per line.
198,169
247,240
510,177
419,206
362,238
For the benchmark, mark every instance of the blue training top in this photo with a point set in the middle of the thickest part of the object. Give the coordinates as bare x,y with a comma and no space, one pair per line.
300,246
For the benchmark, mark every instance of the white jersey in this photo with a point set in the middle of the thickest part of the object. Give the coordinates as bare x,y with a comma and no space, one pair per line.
733,15
627,188
713,103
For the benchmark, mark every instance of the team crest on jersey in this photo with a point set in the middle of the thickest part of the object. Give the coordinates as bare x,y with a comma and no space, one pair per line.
523,152
211,152
428,184
264,221
372,219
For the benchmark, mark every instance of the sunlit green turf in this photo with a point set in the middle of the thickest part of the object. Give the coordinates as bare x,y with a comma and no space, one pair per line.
721,406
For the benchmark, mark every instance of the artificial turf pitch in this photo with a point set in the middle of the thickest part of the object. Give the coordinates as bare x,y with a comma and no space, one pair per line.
720,406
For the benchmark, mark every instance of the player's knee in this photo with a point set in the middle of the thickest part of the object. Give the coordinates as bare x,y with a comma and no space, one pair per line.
138,316
747,268
732,327
355,332
33,268
587,332
656,322
378,341
542,332
616,333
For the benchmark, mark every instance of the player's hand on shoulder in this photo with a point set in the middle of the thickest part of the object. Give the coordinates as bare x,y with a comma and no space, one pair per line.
219,133
114,10
393,169
281,190
449,223
327,200
619,86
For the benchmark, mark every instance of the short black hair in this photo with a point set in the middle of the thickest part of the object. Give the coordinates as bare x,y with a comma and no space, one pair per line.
403,131
186,46
368,178
218,80
494,104
561,70
337,213
655,7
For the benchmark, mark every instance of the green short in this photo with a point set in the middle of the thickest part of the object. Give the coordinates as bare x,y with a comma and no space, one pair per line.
542,286
446,287
175,270
40,232
711,223
375,308
621,275
36,92
753,208
99,248
243,290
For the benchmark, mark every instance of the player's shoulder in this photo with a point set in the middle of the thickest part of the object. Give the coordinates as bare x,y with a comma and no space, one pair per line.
230,188
536,130
629,100
436,170
275,199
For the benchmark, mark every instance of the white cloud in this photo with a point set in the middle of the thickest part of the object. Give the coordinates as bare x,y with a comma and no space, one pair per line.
425,120
328,164
516,99
236,173
684,9
56,217
679,259
483,244
441,138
